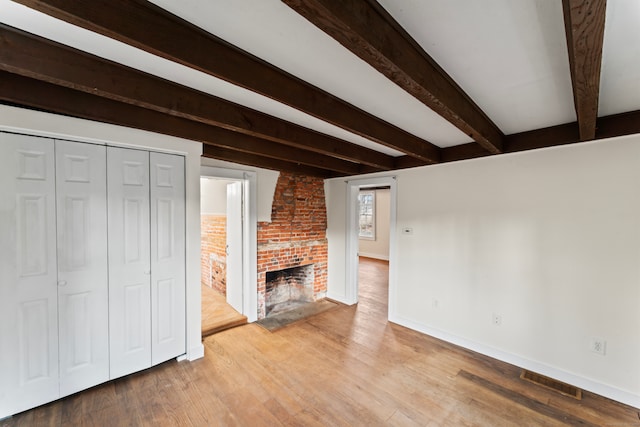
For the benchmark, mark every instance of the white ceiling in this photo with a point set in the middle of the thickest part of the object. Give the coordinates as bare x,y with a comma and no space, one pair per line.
510,57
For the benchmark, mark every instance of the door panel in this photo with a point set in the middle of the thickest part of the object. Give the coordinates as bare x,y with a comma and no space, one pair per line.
165,229
168,312
79,337
234,246
28,291
82,265
129,261
32,234
166,294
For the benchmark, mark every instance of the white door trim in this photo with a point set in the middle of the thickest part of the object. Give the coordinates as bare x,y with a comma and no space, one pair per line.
351,239
249,234
234,244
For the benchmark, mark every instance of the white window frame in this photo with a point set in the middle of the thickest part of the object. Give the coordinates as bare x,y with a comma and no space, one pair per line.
372,234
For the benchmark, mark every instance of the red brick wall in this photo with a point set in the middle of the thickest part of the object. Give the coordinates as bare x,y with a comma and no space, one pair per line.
296,234
213,257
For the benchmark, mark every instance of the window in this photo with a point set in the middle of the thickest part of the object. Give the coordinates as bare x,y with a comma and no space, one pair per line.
367,215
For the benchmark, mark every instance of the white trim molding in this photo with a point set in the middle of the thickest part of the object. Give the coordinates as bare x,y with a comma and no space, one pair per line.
351,238
531,365
249,234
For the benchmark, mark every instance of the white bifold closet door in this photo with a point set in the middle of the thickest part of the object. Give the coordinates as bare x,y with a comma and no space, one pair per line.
129,261
83,313
146,259
92,266
168,311
28,278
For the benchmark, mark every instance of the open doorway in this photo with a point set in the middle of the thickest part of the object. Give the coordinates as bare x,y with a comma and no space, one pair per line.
374,211
362,198
221,217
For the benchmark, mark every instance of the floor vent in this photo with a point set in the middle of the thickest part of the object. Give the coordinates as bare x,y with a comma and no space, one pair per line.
550,383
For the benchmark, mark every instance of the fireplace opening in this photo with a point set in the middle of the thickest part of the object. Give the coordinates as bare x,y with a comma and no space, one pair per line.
288,289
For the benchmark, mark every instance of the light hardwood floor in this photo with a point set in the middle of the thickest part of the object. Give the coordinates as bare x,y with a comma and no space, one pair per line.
345,367
217,315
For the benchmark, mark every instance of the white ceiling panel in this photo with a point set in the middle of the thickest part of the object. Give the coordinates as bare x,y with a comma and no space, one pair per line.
620,73
275,33
509,56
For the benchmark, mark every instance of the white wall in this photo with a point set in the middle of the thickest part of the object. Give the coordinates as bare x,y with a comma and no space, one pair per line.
378,247
548,239
213,196
266,181
335,194
37,123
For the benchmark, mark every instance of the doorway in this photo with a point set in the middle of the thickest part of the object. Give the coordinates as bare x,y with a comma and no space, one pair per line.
228,229
221,254
354,227
374,211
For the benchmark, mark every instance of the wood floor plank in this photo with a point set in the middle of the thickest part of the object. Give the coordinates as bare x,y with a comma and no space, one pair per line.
345,367
526,402
216,314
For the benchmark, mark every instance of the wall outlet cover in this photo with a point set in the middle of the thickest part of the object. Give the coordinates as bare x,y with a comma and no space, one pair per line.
598,346
496,319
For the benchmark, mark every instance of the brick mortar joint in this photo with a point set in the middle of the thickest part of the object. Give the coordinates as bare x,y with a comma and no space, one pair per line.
291,244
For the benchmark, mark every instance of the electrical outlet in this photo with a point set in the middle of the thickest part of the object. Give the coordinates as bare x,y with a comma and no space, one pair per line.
435,303
496,319
598,345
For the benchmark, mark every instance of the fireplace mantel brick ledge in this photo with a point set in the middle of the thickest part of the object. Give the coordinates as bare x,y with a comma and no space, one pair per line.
293,244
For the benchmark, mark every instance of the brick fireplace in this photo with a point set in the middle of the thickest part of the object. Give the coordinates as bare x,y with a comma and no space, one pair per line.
295,237
289,288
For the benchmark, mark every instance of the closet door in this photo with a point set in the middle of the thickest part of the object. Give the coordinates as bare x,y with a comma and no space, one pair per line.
129,261
28,291
167,257
82,265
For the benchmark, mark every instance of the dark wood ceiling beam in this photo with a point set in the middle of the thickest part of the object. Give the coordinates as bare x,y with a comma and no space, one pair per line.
150,28
251,145
24,91
38,58
618,125
406,162
255,160
367,30
584,29
462,152
540,138
612,126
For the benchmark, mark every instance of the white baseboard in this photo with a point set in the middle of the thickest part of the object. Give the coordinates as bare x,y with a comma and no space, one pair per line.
584,383
339,298
374,256
196,352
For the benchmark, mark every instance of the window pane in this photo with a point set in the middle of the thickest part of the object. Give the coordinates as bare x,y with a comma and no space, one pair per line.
366,214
